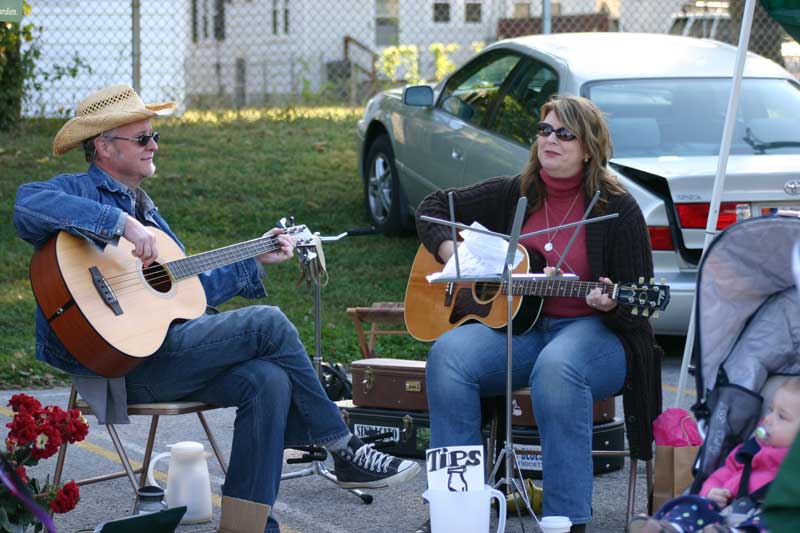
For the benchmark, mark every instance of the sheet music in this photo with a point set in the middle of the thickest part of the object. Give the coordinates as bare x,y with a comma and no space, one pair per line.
479,255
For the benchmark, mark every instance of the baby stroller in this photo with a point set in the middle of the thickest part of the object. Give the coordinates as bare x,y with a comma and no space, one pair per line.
747,332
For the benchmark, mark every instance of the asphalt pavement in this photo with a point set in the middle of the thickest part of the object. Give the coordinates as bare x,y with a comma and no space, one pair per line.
309,504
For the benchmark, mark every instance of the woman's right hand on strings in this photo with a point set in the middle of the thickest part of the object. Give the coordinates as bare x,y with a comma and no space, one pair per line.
144,242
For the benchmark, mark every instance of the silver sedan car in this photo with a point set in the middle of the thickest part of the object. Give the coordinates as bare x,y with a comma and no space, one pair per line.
665,98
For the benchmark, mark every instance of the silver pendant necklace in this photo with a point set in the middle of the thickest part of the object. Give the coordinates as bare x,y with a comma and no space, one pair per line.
548,246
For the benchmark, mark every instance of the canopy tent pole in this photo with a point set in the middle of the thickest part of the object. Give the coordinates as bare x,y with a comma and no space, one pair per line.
719,180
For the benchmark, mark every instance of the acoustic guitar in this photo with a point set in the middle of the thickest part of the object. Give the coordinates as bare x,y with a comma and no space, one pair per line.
110,312
432,309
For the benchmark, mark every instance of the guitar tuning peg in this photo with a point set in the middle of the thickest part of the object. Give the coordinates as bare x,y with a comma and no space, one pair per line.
655,315
641,279
652,281
634,310
663,281
646,312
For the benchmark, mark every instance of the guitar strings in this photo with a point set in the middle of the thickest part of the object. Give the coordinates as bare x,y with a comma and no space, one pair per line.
155,273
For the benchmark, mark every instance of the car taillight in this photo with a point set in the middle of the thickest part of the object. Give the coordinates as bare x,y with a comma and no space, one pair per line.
695,216
660,238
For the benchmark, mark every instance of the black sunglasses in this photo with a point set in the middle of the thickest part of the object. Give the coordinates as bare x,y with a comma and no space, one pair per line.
543,129
141,140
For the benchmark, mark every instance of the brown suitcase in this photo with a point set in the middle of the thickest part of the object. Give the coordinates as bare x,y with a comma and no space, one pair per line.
400,384
522,409
389,383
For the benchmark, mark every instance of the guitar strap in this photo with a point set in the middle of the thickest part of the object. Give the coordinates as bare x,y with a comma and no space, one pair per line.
313,271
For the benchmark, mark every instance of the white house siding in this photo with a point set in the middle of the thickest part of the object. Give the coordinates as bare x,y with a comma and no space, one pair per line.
99,33
173,66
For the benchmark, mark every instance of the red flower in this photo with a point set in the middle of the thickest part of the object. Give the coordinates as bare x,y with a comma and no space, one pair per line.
22,403
23,428
23,475
75,427
47,442
66,498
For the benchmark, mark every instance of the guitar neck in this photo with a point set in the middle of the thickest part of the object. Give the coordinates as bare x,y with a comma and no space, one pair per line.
203,262
561,288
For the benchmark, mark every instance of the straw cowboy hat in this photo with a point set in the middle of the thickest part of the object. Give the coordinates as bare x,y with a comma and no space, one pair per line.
104,110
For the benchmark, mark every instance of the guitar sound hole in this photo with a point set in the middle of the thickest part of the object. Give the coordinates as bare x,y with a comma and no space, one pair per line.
158,277
486,291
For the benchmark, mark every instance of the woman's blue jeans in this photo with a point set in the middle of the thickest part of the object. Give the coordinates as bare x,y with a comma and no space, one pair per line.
250,358
567,362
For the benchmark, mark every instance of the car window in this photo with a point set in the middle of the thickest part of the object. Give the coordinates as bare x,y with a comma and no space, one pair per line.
469,92
685,117
519,110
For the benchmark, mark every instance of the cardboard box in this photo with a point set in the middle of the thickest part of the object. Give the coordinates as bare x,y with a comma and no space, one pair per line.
242,516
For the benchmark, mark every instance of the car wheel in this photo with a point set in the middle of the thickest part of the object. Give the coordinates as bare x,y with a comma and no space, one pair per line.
382,195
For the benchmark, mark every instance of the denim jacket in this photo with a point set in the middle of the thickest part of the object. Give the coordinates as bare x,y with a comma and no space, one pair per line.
94,206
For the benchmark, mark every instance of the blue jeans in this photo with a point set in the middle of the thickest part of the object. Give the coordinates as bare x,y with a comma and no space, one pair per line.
250,358
567,363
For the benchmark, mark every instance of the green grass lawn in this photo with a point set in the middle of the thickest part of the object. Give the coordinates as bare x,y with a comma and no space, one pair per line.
225,177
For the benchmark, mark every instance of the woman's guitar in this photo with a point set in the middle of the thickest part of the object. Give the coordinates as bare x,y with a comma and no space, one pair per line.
109,312
434,308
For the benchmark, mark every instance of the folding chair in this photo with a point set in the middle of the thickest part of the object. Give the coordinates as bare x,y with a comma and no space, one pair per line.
155,411
379,314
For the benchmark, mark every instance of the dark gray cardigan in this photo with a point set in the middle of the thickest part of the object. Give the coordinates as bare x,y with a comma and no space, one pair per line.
618,249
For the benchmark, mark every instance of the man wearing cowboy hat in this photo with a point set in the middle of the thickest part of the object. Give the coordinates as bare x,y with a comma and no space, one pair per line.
251,358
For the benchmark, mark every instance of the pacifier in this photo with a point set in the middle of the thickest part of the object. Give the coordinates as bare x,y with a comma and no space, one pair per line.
762,433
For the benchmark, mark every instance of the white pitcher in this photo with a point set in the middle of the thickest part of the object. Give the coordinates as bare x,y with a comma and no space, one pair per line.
464,512
187,480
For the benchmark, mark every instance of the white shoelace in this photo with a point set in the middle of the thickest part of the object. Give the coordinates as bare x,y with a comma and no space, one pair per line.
372,459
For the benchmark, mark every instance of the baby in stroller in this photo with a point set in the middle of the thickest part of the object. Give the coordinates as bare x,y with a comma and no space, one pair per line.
729,498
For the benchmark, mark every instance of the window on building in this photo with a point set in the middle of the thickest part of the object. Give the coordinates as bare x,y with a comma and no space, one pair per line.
204,20
441,12
387,22
472,12
219,20
522,10
194,21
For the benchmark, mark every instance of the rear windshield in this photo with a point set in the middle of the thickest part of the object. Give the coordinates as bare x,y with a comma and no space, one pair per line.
685,117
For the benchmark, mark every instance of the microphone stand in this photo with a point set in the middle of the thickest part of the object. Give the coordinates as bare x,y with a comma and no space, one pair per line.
316,455
512,479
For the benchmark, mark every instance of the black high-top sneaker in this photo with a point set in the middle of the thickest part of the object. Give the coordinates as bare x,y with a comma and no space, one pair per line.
360,465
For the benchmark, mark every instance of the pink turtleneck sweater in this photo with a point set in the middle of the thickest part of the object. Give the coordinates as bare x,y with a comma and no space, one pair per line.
564,204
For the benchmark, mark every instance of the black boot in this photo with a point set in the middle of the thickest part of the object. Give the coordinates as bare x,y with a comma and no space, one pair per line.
579,528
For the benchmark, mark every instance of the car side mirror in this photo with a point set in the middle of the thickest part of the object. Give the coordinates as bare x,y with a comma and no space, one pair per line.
418,96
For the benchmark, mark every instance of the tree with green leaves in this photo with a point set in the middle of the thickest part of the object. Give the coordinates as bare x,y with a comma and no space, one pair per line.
16,66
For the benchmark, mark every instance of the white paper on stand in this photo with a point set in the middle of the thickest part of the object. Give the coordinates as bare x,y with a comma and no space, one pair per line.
478,255
455,468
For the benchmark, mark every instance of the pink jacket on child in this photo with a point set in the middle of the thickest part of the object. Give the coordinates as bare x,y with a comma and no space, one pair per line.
765,467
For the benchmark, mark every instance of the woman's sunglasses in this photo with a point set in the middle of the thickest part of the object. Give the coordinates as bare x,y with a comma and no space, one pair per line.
543,129
141,140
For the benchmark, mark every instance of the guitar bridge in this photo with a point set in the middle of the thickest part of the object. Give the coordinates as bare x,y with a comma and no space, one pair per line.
105,291
448,294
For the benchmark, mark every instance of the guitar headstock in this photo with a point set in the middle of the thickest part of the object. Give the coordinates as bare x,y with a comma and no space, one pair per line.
645,298
302,235
300,232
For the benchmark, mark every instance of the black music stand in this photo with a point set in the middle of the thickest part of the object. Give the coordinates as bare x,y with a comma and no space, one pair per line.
513,473
316,455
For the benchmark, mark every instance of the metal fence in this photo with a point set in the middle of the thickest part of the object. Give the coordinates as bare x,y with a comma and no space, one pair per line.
234,53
